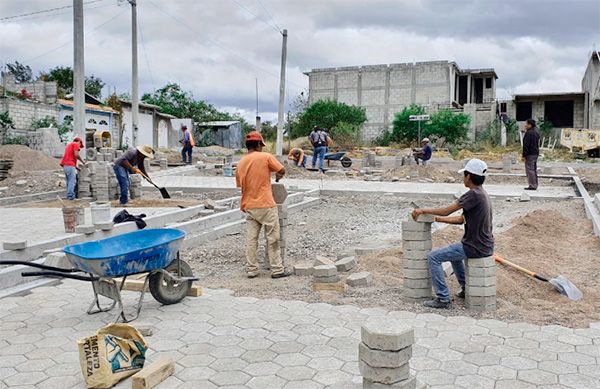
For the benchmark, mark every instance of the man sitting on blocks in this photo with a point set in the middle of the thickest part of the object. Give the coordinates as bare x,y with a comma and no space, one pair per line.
478,240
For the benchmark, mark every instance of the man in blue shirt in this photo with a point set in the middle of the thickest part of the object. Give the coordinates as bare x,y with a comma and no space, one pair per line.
425,153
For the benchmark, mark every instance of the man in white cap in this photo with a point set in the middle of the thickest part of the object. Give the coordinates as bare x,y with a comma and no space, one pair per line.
424,154
478,240
132,161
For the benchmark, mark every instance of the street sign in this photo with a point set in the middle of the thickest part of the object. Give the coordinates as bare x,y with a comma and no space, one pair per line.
418,118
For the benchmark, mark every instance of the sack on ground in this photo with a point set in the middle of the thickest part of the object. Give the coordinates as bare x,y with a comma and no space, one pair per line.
116,352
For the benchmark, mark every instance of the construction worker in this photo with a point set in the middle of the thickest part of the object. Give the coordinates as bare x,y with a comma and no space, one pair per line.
320,140
478,240
69,164
423,154
253,176
132,161
531,152
188,145
297,155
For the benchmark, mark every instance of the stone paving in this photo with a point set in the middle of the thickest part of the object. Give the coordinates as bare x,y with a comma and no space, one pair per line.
218,340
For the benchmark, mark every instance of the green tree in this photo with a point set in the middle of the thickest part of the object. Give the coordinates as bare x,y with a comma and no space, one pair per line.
453,127
403,130
93,86
328,114
21,72
268,131
63,75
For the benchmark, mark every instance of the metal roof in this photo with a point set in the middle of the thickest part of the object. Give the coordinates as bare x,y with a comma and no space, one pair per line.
219,123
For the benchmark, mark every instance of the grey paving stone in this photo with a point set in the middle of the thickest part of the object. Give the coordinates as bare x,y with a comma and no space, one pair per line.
539,355
225,340
467,347
574,340
262,369
198,360
63,369
287,347
254,356
225,364
537,377
11,361
435,377
444,354
557,367
593,351
227,352
60,382
519,363
325,363
337,332
303,385
556,346
251,333
320,350
502,350
296,373
482,359
522,343
474,382
313,339
459,367
28,378
424,363
387,335
351,368
330,377
230,378
578,381
266,382
35,365
291,359
497,372
514,384
378,358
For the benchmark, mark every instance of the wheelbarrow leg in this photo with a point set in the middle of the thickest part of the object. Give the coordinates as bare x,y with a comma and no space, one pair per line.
100,288
139,304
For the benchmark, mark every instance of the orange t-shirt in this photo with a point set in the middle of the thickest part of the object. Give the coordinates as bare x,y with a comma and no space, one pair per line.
253,176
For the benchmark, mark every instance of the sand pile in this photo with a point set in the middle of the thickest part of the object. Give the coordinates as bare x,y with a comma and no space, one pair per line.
26,159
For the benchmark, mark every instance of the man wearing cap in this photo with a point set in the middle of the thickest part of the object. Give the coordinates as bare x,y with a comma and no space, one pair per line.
320,141
253,176
69,164
188,145
478,240
132,161
298,157
424,154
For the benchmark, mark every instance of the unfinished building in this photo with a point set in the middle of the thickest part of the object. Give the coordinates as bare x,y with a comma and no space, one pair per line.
384,90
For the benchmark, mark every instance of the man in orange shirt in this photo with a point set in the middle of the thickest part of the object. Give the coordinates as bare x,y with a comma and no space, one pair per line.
253,176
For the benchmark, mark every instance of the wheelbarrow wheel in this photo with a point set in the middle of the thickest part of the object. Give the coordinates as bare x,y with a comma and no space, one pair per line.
167,291
346,162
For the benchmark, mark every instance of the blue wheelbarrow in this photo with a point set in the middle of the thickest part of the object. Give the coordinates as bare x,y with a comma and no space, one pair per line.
339,156
152,251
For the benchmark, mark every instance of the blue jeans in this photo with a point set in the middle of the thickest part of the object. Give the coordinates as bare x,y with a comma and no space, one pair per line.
71,176
123,178
187,150
303,164
455,254
319,153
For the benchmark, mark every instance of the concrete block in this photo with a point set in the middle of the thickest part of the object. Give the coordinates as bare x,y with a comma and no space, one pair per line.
480,271
387,335
85,229
344,254
410,225
303,269
417,293
360,279
58,260
345,264
325,271
105,226
378,358
206,212
424,218
416,235
420,255
480,281
524,197
416,274
15,245
321,260
417,245
481,262
326,280
480,291
210,204
480,300
416,264
410,383
221,208
423,283
384,375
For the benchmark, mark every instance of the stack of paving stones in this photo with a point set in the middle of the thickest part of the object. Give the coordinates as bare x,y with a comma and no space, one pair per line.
107,152
164,163
118,153
325,274
135,186
480,290
5,166
100,182
416,242
506,163
113,184
84,184
91,154
384,355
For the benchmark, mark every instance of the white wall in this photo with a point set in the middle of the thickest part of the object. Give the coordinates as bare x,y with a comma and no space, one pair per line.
144,129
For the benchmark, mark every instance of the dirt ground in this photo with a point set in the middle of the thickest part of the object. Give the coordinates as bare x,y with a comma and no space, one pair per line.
27,160
590,178
526,234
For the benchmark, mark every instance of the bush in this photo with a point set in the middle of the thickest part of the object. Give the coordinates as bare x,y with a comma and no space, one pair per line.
453,127
15,140
44,122
403,130
328,114
346,135
545,127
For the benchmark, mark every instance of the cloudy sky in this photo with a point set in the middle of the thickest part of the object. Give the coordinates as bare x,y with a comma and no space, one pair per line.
217,48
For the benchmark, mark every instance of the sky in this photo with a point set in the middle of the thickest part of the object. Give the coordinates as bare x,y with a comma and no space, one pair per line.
217,49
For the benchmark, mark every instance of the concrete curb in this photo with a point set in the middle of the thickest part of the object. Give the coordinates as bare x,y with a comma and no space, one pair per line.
591,211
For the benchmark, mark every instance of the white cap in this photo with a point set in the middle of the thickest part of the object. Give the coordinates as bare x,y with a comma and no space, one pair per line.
425,140
475,166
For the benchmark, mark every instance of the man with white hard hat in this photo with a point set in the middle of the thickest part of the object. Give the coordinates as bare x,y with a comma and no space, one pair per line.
478,240
423,154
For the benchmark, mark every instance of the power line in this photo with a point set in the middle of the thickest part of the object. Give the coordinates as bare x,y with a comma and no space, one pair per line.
269,14
57,13
46,10
146,54
276,28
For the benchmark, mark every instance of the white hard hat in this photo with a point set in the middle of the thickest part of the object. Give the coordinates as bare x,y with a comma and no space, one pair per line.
425,140
475,166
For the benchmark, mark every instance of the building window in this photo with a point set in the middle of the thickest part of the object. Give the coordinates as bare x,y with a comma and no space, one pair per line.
488,83
92,121
524,110
559,113
103,122
502,107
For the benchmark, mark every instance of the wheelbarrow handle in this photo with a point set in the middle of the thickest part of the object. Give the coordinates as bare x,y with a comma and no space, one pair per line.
56,274
39,266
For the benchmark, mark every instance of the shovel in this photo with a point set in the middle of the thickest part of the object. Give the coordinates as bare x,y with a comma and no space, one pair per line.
163,191
560,283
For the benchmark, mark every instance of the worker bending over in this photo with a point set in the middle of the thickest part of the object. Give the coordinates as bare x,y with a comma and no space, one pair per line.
132,161
298,157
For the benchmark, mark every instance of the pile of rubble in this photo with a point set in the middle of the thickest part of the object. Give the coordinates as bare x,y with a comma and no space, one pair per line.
5,166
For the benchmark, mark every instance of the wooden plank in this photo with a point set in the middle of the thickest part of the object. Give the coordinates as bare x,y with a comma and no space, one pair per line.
138,285
154,374
340,287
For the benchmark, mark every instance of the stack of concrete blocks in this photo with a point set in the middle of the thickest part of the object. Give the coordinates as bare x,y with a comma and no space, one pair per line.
107,153
384,355
135,186
416,242
164,163
113,184
326,274
84,185
371,160
118,153
91,154
480,278
506,163
100,182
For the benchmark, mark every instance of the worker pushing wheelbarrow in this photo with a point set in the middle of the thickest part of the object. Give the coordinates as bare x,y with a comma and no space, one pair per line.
104,262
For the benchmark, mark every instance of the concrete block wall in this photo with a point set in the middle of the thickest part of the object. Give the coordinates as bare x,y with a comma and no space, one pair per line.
23,112
43,91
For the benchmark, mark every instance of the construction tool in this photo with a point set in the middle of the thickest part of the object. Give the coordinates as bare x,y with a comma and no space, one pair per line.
163,191
560,283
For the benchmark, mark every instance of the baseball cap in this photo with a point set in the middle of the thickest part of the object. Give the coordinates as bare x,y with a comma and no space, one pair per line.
425,140
255,135
475,166
78,139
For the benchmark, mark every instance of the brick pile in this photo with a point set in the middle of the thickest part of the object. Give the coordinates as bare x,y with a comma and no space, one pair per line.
416,242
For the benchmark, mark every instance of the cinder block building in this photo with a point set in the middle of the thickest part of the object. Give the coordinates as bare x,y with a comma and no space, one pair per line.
384,90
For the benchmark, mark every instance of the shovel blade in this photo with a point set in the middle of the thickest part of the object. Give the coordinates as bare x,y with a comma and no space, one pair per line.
566,287
164,193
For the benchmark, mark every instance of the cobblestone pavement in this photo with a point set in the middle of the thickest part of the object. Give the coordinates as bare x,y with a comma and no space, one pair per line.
218,340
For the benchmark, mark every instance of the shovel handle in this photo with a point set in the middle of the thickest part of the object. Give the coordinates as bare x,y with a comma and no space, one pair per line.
503,261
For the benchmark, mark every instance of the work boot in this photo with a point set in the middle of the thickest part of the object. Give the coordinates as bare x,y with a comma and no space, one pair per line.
528,188
283,274
438,303
461,293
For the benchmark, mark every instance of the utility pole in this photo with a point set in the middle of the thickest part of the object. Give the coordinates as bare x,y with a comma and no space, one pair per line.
78,72
135,97
257,126
279,144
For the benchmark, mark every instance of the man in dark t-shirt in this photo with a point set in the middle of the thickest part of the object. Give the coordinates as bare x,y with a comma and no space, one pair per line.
478,240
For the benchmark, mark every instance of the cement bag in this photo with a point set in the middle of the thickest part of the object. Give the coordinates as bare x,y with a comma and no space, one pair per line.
114,353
